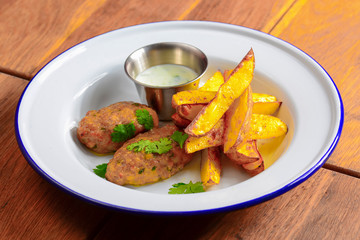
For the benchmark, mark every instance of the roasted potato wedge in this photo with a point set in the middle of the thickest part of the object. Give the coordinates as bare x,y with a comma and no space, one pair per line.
210,168
238,81
265,103
237,120
213,83
215,137
266,126
254,168
189,111
245,153
179,121
227,74
248,157
191,97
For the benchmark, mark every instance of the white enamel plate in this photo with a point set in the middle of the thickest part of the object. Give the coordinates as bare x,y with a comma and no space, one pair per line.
91,75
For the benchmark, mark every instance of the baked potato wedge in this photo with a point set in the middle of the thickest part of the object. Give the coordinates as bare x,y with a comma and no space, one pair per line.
254,168
215,137
180,121
213,83
265,103
227,74
210,168
238,81
237,120
189,111
266,126
191,97
245,153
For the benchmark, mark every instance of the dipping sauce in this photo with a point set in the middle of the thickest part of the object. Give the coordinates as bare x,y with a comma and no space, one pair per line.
165,75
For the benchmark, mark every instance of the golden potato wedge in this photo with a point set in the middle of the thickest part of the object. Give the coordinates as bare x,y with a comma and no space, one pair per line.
237,120
245,153
189,111
227,74
179,121
253,165
192,97
265,126
265,103
262,97
215,137
210,168
213,83
238,81
254,168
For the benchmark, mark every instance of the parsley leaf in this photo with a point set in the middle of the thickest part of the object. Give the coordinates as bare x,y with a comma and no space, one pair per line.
100,170
182,188
144,118
138,146
123,132
179,138
161,146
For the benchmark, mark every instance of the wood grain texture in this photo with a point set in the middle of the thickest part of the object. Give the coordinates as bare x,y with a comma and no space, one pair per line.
305,212
39,30
329,31
252,14
30,207
324,207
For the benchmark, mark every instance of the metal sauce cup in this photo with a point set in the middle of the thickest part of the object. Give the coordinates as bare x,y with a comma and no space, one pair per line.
159,97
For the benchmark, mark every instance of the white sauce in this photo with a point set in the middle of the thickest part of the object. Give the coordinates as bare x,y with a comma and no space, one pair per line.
166,75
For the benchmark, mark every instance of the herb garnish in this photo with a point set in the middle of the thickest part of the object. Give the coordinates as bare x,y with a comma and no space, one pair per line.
179,137
100,170
183,188
123,132
144,118
161,146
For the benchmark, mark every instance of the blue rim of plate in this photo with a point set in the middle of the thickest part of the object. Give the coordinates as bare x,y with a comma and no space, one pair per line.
238,206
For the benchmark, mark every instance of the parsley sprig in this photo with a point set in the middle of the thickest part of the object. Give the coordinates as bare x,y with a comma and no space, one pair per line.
144,118
123,132
183,188
161,146
100,170
179,137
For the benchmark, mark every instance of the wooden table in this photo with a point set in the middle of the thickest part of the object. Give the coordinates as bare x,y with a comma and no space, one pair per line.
326,206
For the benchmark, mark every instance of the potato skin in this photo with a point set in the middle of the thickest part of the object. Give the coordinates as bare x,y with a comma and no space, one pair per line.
94,130
139,168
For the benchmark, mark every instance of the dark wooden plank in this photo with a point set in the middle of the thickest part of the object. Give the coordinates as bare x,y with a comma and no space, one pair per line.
324,207
333,41
30,207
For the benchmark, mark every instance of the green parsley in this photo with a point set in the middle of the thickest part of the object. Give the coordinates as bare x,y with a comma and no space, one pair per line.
123,132
161,146
144,118
138,146
100,170
179,137
183,188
